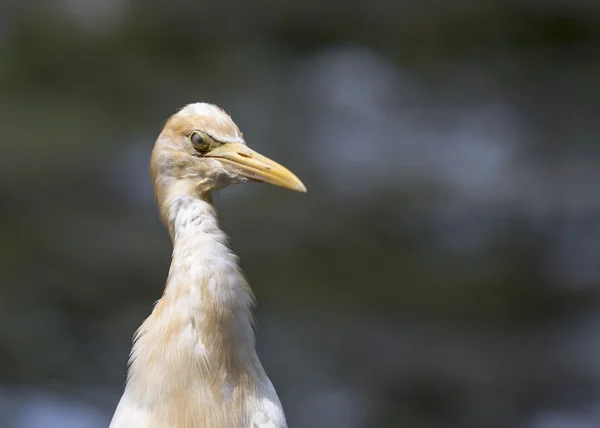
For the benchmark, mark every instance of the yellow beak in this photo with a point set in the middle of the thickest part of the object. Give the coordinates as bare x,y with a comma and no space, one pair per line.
255,166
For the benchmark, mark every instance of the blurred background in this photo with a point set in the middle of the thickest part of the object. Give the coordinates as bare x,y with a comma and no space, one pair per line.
442,271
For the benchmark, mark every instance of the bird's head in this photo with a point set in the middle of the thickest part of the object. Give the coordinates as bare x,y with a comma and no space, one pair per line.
201,149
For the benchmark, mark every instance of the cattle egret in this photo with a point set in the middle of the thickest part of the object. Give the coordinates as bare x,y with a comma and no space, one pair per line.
193,362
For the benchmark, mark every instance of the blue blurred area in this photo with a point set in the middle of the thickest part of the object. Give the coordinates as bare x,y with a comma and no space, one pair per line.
442,271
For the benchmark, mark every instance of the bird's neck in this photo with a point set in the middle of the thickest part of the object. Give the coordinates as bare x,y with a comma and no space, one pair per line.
206,283
193,363
201,328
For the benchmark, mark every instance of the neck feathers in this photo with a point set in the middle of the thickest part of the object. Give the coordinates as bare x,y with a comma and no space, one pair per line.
206,282
194,357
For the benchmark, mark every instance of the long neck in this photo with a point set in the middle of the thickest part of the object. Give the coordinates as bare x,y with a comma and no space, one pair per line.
193,363
206,283
199,337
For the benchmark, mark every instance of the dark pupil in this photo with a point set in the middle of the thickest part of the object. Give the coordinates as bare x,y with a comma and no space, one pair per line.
198,140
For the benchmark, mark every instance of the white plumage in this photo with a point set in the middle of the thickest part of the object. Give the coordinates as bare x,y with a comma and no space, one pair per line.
193,363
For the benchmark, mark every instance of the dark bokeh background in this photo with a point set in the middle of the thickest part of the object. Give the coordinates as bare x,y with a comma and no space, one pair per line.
442,271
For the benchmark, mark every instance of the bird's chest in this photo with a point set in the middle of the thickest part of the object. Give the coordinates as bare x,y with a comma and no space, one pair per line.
198,404
183,377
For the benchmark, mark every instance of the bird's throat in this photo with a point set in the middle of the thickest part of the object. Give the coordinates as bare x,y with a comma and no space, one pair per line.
202,326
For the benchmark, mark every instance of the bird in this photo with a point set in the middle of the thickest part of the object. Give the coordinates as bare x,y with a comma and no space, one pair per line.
193,362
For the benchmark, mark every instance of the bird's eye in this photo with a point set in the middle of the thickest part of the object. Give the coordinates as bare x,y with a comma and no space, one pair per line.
199,142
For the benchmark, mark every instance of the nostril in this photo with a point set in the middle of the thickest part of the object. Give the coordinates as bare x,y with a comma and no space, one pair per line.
244,155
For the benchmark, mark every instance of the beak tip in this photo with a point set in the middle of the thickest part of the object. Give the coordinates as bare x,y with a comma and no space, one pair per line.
299,187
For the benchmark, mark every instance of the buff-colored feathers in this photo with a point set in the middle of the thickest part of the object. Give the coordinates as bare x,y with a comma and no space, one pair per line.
209,118
174,167
193,363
